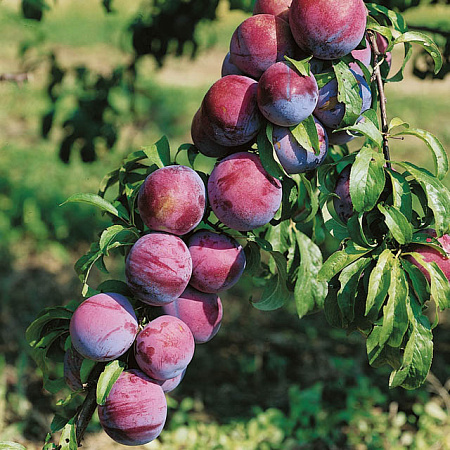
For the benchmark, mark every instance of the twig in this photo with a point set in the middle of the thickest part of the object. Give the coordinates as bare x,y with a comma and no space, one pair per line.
439,389
18,78
382,96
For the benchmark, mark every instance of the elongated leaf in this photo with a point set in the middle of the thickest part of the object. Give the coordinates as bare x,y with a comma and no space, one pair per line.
8,445
425,41
253,258
94,200
368,128
396,19
305,133
401,193
308,292
349,279
107,379
438,196
265,149
379,355
117,236
307,198
341,259
355,228
158,153
68,439
379,281
395,315
323,78
432,142
397,223
57,313
417,281
367,179
400,73
302,66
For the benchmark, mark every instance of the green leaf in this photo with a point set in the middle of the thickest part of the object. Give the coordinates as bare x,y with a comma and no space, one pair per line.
324,78
117,236
438,196
307,198
68,439
367,179
440,285
417,281
158,153
425,41
302,66
309,293
86,368
348,92
401,193
275,292
397,223
95,200
252,257
396,19
399,75
367,127
265,148
379,355
58,423
355,227
395,316
110,179
120,287
8,445
56,313
341,259
305,133
432,142
349,279
379,281
107,379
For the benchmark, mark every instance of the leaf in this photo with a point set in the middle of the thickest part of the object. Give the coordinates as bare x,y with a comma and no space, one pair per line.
159,153
252,257
396,19
309,196
348,92
401,193
367,179
58,423
265,148
440,285
425,41
275,292
341,259
302,66
68,439
57,313
117,286
355,227
117,236
397,223
399,75
324,78
438,196
107,379
417,281
309,293
395,316
8,445
95,200
379,355
349,279
305,133
368,128
379,281
86,368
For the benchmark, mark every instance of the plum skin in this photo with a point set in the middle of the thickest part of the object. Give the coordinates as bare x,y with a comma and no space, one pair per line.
200,311
218,261
285,97
164,347
260,41
343,205
278,8
72,366
158,268
230,112
135,410
242,194
172,199
328,29
103,327
228,68
292,156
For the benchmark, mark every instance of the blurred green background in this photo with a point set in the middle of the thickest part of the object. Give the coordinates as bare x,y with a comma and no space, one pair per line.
267,380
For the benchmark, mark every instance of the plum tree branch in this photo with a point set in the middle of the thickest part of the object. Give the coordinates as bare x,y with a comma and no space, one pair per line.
18,78
381,95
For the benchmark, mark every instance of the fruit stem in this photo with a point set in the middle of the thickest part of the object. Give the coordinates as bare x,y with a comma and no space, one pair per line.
382,96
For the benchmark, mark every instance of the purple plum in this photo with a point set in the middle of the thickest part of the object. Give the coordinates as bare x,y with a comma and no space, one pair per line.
135,410
242,194
200,311
172,199
103,327
158,268
343,203
278,8
172,383
164,347
228,68
285,97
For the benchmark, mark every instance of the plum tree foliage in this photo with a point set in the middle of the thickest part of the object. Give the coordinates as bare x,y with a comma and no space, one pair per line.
274,219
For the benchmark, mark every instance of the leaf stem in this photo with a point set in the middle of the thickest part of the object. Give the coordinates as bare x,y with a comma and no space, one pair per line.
382,96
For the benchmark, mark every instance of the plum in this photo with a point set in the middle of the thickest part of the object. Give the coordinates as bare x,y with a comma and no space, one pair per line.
242,194
260,41
293,157
363,55
343,203
218,261
430,254
230,112
382,44
172,383
172,199
330,111
72,366
158,268
328,29
164,347
103,327
135,410
228,68
278,8
200,311
285,97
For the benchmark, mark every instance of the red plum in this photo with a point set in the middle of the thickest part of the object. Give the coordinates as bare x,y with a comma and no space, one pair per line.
278,8
343,203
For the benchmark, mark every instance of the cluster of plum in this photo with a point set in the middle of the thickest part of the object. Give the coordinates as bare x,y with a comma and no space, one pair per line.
181,268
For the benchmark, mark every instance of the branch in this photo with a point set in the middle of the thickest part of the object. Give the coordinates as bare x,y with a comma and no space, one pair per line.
18,78
377,74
